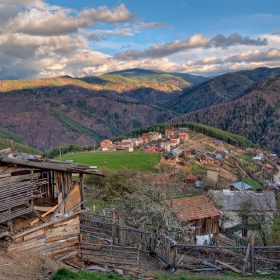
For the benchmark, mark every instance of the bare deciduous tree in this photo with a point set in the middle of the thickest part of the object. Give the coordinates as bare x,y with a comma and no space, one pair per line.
148,206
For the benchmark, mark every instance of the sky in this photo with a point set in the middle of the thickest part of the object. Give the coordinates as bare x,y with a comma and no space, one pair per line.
46,38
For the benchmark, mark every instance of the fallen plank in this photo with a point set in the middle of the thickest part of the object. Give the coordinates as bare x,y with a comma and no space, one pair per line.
235,269
44,215
203,269
71,264
212,265
68,256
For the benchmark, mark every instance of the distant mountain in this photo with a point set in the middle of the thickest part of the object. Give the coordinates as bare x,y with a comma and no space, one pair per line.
18,143
219,89
193,79
51,116
150,86
255,114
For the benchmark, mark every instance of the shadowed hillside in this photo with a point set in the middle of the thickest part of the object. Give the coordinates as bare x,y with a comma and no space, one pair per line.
254,115
219,89
49,117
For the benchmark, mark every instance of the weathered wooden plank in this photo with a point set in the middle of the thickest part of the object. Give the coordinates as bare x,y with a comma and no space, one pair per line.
62,205
44,215
57,252
64,241
6,169
73,221
5,175
70,255
5,151
33,234
62,229
61,244
63,234
15,179
27,245
59,237
43,208
47,224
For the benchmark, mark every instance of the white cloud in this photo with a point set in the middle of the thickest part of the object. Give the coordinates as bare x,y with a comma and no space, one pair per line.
37,39
149,25
61,21
28,3
195,41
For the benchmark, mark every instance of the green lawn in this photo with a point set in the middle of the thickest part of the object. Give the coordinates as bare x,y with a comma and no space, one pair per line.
256,185
116,160
64,274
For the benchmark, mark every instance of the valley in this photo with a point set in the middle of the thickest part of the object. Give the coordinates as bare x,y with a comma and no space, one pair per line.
52,112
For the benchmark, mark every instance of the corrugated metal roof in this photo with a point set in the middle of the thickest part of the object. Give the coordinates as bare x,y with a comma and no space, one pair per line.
233,200
241,186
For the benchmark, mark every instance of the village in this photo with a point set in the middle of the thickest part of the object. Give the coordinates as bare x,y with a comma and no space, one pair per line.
43,209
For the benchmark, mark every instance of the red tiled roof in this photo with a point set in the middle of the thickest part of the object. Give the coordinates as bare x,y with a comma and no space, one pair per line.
268,166
194,208
150,150
125,143
192,177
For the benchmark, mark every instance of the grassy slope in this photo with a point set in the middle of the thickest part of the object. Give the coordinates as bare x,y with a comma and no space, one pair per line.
64,274
6,134
105,82
8,85
138,161
5,142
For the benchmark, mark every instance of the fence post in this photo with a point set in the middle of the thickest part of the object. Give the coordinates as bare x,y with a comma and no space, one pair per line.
119,229
113,227
252,257
175,257
152,242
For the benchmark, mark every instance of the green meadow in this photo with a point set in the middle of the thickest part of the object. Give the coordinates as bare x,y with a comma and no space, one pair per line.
116,160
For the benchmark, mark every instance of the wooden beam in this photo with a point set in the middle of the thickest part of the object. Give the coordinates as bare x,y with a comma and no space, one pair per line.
44,215
82,189
43,208
15,179
59,166
66,197
47,224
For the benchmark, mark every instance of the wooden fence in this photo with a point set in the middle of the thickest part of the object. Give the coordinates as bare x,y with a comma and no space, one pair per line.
162,247
110,228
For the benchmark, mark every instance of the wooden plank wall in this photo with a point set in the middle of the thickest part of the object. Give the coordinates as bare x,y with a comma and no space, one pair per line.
55,240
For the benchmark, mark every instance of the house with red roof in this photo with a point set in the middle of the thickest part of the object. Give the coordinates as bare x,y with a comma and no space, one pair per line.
191,178
267,167
184,135
150,150
105,143
202,213
169,132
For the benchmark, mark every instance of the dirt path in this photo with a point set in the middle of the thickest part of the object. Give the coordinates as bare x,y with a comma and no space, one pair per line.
27,265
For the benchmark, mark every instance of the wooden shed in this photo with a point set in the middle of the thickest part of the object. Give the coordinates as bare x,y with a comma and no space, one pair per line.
202,213
40,203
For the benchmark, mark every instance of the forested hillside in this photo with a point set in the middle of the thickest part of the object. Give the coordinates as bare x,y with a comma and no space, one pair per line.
219,89
255,115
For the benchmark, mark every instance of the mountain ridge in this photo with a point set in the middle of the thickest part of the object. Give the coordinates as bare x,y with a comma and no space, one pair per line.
255,114
219,89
